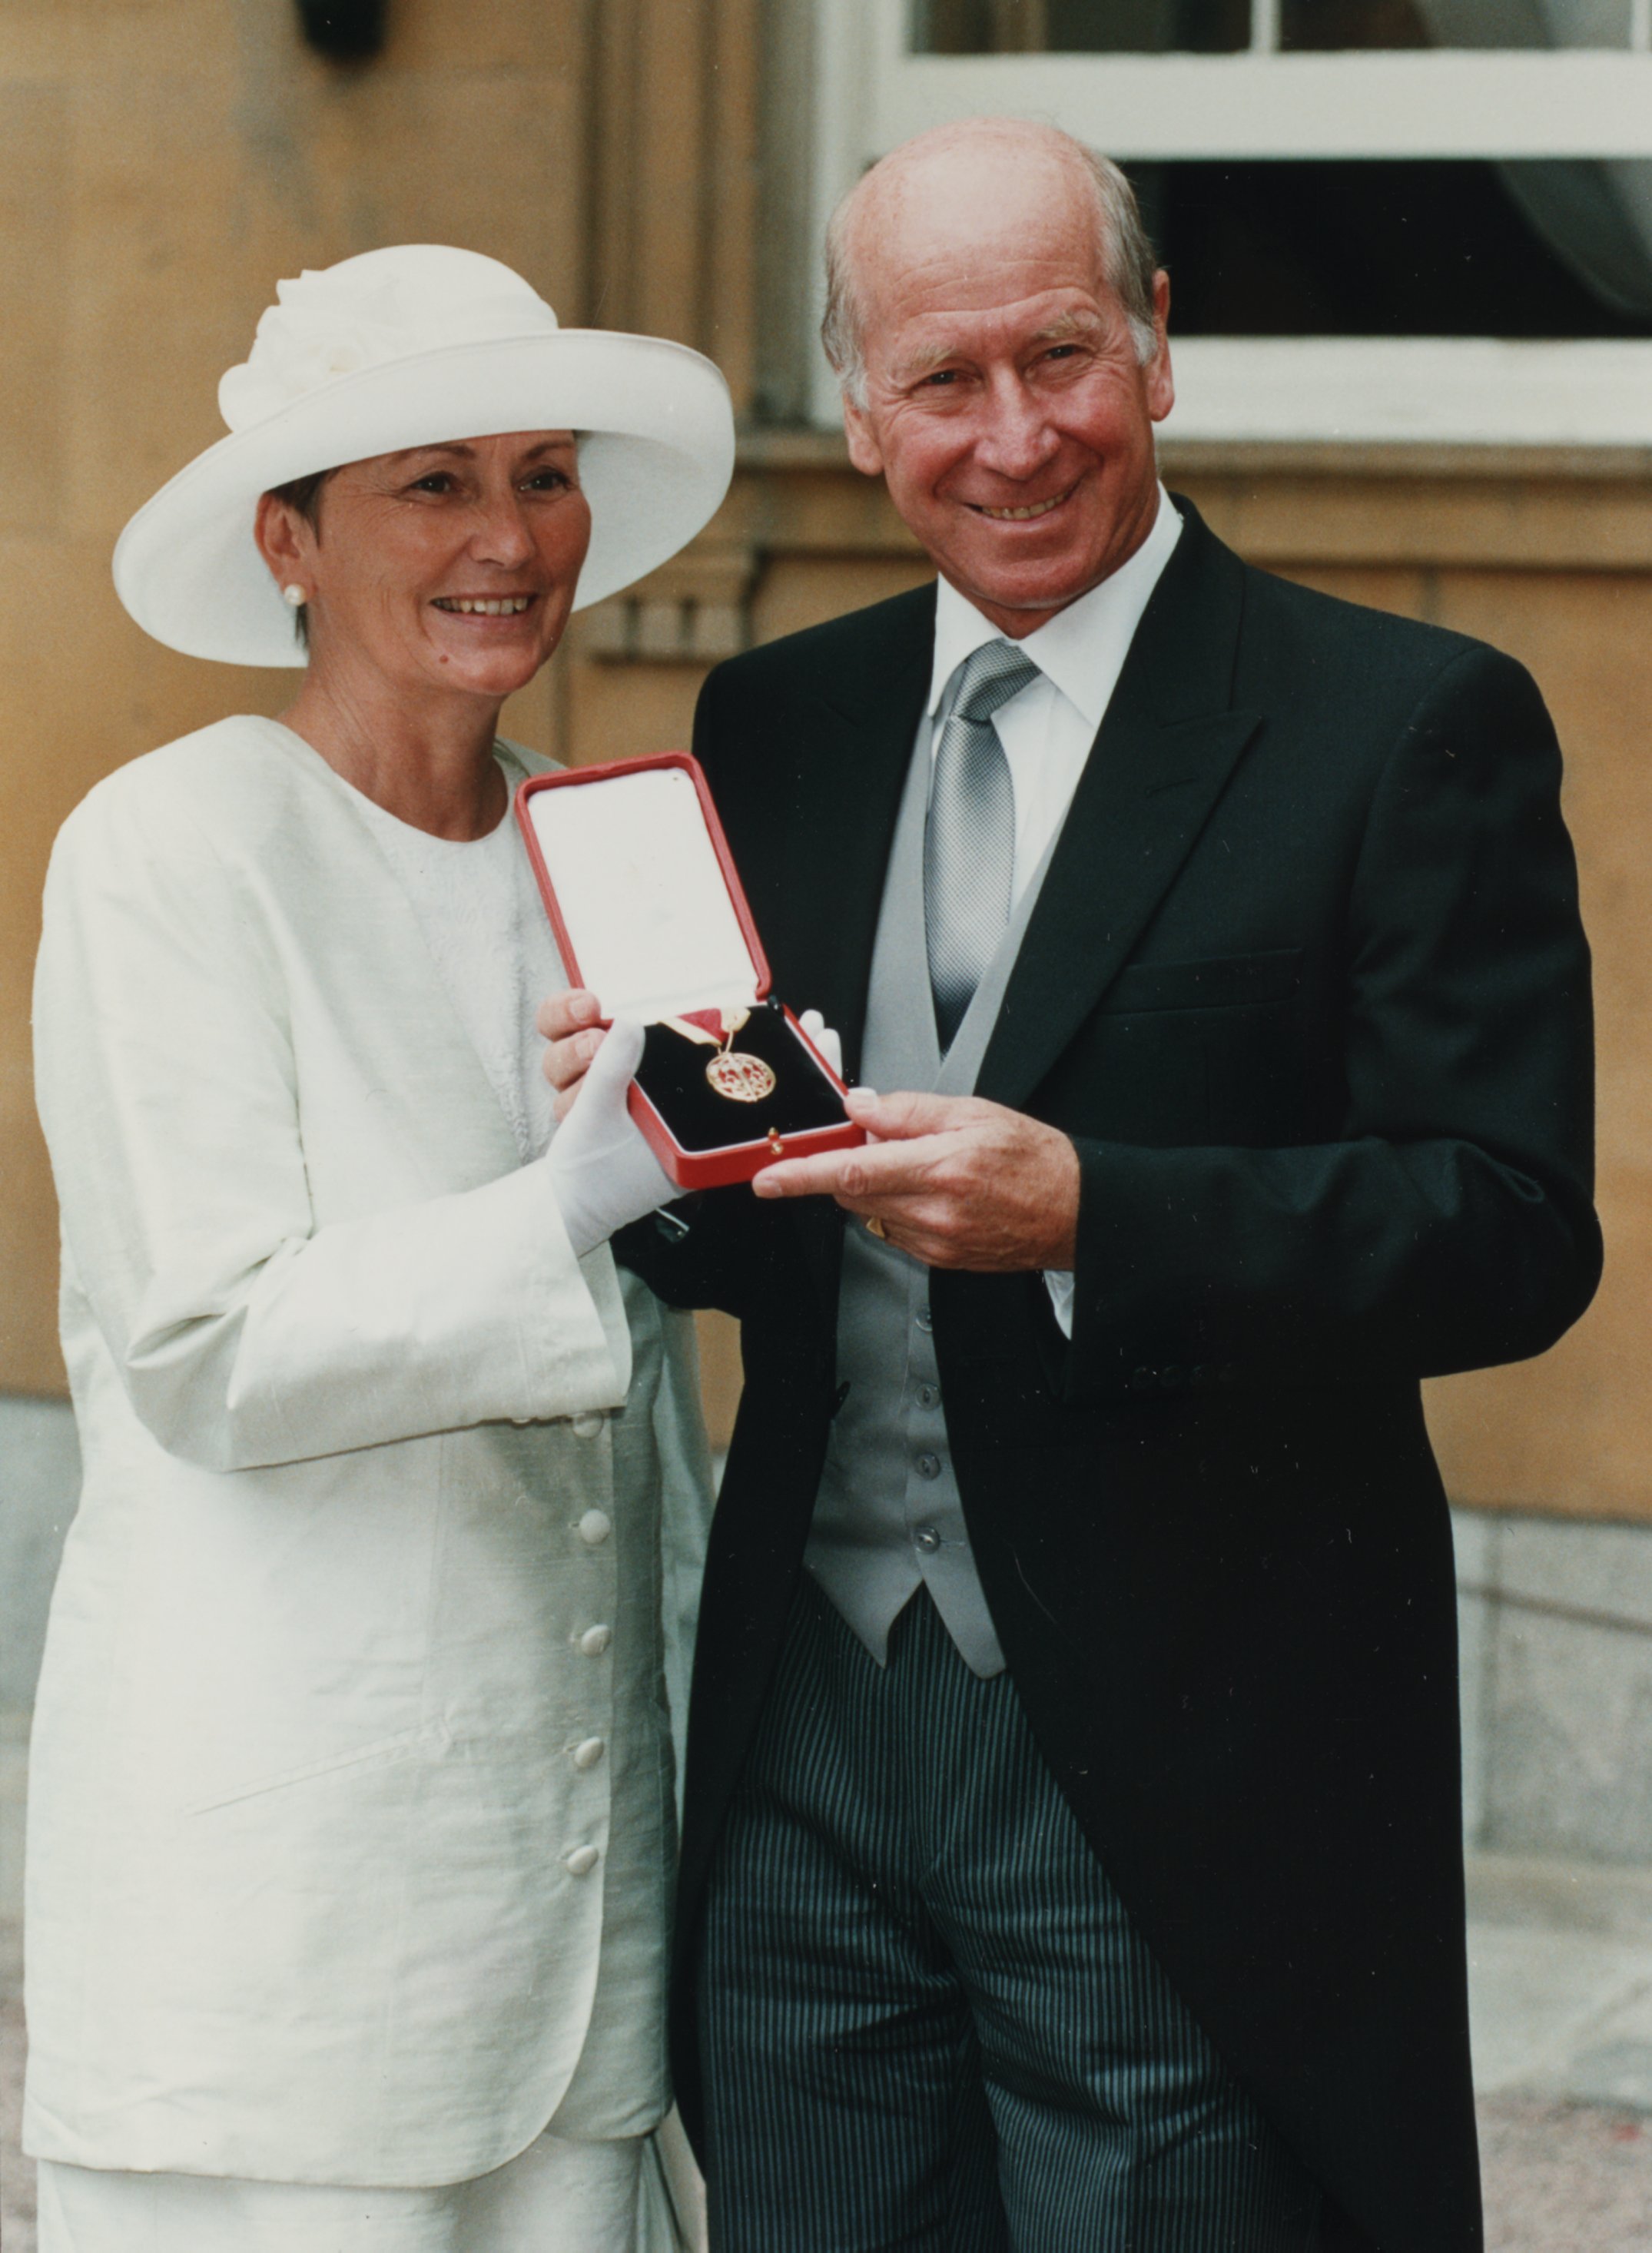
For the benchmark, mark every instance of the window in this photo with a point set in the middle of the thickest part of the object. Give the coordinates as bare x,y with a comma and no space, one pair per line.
1463,185
1215,27
986,27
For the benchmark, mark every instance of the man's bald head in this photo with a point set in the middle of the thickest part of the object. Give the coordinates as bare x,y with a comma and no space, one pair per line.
947,163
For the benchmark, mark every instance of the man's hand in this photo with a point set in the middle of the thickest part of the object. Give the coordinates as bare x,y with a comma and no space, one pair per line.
570,1023
955,1182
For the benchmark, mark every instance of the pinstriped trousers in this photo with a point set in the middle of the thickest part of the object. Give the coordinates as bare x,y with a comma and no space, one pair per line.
926,2023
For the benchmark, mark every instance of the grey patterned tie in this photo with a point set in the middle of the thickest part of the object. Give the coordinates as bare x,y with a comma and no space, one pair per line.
969,844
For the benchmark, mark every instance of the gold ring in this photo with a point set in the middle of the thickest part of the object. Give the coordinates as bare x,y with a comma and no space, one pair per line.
876,1228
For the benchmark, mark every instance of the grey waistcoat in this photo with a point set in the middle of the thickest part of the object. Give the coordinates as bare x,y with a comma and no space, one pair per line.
888,1517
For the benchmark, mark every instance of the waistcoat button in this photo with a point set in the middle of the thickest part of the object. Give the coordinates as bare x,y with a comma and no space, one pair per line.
595,1641
595,1527
589,1752
582,1860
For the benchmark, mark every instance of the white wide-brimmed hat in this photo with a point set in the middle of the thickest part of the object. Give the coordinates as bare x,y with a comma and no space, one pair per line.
419,347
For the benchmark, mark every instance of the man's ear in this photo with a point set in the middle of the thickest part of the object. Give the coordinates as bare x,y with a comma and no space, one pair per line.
864,450
1160,380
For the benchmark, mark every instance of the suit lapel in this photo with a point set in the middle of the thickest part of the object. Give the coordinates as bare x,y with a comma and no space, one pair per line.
1166,747
849,782
842,821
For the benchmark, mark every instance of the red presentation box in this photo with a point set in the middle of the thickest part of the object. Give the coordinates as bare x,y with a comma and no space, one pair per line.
650,916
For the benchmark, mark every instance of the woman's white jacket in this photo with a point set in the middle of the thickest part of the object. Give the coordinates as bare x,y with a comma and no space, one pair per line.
300,1901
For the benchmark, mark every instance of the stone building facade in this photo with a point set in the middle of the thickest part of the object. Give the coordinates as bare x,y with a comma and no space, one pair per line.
649,164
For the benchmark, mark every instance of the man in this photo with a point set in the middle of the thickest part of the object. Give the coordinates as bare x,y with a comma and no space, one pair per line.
1072,1854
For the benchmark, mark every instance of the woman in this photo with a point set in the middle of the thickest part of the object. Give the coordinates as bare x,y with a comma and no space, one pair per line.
352,1814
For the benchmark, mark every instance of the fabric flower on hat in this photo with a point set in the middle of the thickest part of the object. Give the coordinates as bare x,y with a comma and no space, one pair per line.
326,325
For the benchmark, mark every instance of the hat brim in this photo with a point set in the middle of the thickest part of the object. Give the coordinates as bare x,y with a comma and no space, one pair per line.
656,454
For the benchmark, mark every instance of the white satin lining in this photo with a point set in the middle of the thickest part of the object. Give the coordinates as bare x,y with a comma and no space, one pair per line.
642,894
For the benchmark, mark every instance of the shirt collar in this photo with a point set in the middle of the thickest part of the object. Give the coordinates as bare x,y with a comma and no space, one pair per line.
1083,648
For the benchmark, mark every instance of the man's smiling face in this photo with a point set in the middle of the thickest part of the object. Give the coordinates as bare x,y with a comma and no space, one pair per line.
1006,405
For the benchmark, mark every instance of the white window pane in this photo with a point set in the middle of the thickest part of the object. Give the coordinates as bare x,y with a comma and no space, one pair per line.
1434,248
1085,27
1326,26
987,27
1527,23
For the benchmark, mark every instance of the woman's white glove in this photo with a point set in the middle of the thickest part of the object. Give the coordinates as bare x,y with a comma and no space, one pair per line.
603,1174
823,1038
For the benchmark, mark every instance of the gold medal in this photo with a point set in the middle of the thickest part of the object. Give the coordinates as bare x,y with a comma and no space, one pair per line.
740,1078
735,1076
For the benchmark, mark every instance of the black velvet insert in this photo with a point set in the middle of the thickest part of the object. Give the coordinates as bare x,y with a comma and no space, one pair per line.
672,1077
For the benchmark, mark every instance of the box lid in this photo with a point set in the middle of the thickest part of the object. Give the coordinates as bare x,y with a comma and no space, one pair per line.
643,894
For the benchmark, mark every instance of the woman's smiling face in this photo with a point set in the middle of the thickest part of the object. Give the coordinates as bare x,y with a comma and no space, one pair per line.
446,568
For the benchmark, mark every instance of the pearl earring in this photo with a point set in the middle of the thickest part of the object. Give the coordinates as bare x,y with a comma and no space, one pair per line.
296,596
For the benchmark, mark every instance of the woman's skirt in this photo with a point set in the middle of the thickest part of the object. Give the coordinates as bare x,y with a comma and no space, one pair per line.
561,2195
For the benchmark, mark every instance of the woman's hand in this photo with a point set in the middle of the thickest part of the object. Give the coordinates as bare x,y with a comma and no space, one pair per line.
825,1038
604,1174
569,1023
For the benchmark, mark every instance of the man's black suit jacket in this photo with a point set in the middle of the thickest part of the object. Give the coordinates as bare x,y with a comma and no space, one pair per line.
1307,988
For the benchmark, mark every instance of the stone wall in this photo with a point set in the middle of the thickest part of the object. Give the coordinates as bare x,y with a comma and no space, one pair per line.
1556,1622
163,161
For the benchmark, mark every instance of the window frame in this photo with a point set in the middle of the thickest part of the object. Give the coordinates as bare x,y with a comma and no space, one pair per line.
872,93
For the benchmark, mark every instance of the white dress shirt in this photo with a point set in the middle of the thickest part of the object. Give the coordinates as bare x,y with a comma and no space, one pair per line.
494,950
479,909
1048,730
